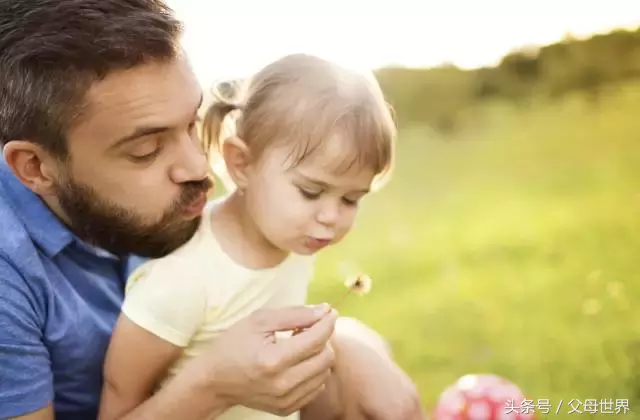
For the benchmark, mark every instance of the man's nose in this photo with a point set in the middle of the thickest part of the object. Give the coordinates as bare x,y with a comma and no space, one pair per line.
191,163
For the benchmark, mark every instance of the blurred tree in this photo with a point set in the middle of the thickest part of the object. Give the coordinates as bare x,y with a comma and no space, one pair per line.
440,96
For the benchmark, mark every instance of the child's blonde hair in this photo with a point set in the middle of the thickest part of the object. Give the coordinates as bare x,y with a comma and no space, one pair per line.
304,101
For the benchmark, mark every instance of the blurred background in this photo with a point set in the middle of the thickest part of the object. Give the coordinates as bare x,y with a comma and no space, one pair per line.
508,240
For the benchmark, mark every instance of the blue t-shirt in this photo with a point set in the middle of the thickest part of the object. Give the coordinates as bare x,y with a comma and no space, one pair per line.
59,300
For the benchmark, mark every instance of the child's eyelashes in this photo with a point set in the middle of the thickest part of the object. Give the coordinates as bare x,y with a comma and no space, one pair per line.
314,195
308,194
349,202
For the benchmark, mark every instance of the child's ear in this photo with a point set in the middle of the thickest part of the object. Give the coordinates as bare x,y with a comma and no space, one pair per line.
237,159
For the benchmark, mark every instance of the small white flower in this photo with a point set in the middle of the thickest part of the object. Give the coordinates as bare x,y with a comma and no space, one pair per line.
361,284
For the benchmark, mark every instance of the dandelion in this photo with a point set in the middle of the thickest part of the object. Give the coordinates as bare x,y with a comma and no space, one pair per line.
361,284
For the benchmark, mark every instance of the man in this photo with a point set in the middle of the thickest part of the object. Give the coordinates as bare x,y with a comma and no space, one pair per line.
101,162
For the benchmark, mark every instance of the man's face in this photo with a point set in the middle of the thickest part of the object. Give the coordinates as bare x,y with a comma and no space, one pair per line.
136,178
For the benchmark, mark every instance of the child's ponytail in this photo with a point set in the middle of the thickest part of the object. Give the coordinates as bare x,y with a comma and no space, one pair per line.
215,128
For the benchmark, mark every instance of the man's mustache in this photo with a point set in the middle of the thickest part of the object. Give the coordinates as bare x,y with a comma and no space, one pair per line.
193,189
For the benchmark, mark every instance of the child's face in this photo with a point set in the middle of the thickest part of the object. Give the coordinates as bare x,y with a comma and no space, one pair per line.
308,207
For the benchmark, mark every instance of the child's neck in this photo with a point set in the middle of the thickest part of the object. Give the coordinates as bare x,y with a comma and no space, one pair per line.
240,238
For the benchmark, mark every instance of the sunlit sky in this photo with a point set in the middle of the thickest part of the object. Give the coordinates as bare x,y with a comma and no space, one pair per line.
233,38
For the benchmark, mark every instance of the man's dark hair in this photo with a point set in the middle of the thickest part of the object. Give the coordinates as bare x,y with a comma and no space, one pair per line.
51,51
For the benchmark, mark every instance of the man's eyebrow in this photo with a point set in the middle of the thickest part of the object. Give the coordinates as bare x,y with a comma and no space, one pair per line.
139,132
146,131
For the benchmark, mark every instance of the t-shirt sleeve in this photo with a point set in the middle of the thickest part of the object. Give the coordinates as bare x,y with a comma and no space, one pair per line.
168,299
26,382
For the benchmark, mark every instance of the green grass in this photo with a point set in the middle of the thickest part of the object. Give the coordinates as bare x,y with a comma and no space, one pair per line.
512,248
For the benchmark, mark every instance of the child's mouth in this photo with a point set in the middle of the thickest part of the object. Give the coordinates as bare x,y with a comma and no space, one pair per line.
317,243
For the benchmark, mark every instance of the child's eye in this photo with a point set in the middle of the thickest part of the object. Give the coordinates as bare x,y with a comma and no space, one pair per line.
308,194
349,202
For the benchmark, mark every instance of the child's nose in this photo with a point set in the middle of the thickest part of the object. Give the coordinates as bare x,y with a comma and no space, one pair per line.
329,213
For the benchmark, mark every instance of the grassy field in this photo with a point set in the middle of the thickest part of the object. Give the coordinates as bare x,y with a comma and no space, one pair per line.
511,248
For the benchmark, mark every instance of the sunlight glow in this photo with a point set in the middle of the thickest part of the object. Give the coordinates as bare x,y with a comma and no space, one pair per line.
235,38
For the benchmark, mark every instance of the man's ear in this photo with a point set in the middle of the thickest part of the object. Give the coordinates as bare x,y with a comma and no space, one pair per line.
237,159
32,165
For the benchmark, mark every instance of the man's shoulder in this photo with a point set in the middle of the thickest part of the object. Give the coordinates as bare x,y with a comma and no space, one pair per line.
14,236
19,285
20,261
17,250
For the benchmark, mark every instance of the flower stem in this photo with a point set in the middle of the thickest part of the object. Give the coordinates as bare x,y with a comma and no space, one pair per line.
342,298
297,331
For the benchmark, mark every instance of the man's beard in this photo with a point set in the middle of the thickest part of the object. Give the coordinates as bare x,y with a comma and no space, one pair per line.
121,231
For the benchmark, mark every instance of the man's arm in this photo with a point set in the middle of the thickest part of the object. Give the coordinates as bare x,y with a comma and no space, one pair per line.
245,365
26,384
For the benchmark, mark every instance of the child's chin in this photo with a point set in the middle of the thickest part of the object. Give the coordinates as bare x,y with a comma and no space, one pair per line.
306,251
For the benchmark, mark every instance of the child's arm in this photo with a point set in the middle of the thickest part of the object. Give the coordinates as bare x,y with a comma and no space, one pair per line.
162,310
136,362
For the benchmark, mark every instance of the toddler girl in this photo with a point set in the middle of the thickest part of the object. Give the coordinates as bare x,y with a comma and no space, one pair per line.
307,141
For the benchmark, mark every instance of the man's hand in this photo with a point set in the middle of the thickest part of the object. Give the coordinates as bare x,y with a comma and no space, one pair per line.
372,386
247,366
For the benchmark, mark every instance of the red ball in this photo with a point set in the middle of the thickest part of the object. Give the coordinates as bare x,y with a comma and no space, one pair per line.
484,397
